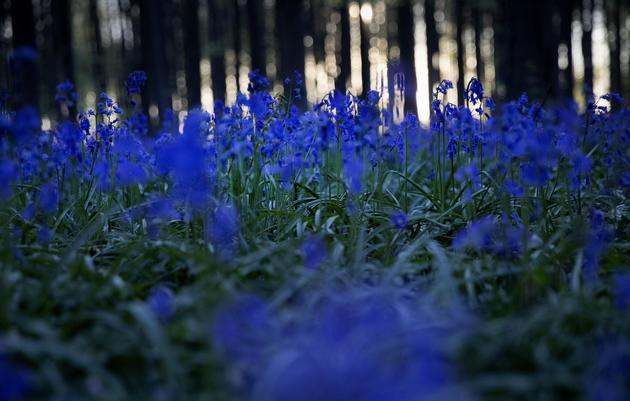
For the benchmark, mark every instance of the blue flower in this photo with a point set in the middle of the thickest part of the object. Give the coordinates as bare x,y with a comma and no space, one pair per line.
161,302
15,382
314,251
223,229
257,82
622,290
135,81
398,219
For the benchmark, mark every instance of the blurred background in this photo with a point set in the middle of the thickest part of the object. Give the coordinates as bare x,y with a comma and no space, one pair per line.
196,52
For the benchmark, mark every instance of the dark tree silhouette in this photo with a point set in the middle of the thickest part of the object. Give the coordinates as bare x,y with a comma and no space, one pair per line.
23,62
478,27
62,40
526,52
365,57
192,52
406,43
97,44
290,37
566,81
459,24
614,28
587,43
256,31
318,13
153,54
343,64
218,22
433,47
235,17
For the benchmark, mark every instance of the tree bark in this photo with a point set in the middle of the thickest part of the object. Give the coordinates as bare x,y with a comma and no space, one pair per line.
97,43
478,26
218,21
459,24
365,58
192,53
566,21
587,43
433,47
344,66
153,54
255,19
614,26
24,60
290,37
406,43
62,39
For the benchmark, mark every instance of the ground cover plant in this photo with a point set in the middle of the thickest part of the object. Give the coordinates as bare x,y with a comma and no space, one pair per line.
263,252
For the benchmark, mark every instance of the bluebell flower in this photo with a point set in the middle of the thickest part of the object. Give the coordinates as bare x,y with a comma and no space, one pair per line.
66,94
353,170
161,302
597,240
257,82
223,229
135,81
352,345
609,379
314,251
15,381
622,291
8,175
443,87
398,219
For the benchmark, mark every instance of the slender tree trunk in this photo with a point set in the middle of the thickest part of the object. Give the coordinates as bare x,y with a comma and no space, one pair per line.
62,37
192,49
255,19
318,10
365,57
24,60
566,21
97,43
406,43
290,36
153,55
218,20
344,67
236,36
433,47
459,25
614,26
527,57
478,25
587,43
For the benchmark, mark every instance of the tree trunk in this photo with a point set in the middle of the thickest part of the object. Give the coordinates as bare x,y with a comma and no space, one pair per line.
236,37
192,50
153,55
566,21
255,19
97,43
218,21
62,37
290,36
587,43
478,25
527,57
614,26
365,58
406,43
344,67
433,47
24,61
459,25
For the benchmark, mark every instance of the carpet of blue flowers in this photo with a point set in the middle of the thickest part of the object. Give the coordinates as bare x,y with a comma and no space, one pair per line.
260,252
